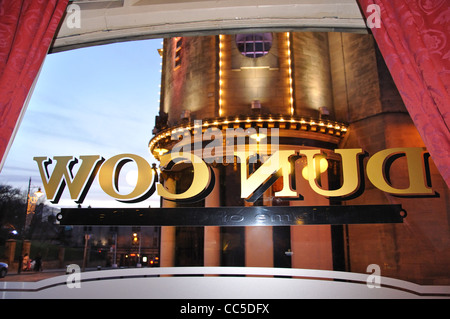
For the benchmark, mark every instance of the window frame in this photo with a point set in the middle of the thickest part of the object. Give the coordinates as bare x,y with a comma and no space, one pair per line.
254,45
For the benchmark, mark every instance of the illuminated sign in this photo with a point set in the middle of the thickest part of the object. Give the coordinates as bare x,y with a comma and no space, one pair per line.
278,165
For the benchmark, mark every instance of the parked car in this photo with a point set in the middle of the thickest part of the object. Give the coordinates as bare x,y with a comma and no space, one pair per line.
3,269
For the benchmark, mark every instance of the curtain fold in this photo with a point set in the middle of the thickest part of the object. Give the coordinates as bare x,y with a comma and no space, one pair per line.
414,40
27,28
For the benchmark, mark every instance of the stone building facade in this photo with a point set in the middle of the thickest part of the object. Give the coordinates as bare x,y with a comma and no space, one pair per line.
321,90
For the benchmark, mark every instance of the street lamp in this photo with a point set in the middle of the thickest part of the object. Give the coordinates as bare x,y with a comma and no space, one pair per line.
39,193
31,204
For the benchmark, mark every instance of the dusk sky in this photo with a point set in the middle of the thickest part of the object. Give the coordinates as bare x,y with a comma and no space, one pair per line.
99,100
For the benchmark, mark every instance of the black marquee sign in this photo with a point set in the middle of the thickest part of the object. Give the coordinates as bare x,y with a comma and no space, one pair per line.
234,216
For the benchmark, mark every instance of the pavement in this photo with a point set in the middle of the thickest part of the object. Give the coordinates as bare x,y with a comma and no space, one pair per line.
40,275
33,275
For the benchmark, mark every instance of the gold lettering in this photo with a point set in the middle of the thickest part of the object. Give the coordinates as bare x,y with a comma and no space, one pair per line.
378,170
350,172
108,178
253,186
62,175
202,180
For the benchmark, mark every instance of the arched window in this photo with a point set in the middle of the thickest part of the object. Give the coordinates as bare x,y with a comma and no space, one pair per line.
254,45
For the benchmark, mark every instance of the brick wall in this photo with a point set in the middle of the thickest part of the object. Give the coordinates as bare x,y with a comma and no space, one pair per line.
191,86
417,250
312,73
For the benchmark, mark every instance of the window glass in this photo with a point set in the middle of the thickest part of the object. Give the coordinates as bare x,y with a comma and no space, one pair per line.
254,45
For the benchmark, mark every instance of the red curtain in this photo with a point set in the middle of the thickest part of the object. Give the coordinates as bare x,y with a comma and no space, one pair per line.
413,39
27,28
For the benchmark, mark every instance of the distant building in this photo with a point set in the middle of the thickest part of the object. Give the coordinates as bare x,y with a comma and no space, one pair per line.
123,246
